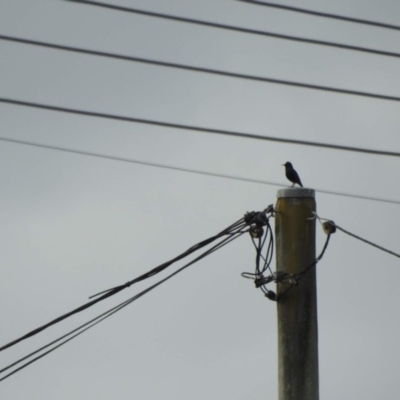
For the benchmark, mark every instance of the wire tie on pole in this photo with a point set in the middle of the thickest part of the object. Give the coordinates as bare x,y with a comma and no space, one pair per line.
328,226
315,216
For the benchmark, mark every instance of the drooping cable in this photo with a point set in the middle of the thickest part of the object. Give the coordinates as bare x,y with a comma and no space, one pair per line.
293,280
261,232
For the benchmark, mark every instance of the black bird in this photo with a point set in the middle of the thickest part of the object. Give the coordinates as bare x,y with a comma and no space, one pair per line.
291,174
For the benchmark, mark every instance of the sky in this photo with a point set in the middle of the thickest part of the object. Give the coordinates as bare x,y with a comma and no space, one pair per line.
73,225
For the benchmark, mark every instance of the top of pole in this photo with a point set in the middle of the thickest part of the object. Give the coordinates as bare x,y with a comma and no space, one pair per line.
296,192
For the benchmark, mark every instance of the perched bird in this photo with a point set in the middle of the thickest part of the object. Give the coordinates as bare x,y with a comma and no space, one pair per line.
291,174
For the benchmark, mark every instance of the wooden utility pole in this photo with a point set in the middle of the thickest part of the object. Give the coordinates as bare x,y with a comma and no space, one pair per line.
297,308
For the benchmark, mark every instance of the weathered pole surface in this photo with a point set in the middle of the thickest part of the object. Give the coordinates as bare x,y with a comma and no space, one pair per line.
297,309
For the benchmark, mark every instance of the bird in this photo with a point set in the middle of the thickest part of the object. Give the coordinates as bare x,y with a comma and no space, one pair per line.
291,174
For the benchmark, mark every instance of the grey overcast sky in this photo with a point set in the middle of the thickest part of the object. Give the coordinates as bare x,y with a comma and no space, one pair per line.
73,225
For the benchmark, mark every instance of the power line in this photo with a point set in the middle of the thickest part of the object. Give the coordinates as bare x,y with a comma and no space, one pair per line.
110,311
321,14
181,169
83,328
238,29
365,240
227,233
193,128
195,69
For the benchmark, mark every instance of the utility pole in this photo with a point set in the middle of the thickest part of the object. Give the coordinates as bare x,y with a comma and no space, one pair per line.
297,308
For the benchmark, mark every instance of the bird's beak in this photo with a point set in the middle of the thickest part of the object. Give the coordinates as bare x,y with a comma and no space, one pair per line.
283,165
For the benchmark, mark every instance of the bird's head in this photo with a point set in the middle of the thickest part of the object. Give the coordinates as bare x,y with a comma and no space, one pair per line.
288,165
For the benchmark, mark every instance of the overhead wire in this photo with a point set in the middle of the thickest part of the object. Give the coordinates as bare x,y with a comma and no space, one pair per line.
365,240
110,292
163,266
188,170
193,128
330,226
198,69
159,63
86,326
238,29
138,59
321,14
206,70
